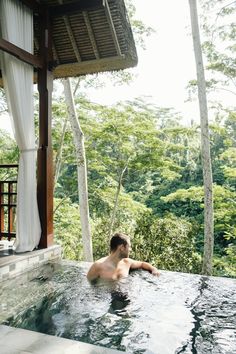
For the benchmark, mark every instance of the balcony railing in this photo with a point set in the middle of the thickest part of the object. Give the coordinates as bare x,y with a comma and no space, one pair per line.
8,195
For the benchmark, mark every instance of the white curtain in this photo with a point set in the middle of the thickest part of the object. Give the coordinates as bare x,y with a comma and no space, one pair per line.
17,27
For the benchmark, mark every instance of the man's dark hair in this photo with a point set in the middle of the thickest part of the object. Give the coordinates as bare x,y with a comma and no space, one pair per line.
118,239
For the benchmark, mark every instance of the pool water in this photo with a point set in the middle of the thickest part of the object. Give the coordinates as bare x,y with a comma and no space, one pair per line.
171,314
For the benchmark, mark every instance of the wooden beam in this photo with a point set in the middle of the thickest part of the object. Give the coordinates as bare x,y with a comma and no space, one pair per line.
72,38
20,53
77,6
34,5
71,35
13,165
55,55
45,158
91,34
112,27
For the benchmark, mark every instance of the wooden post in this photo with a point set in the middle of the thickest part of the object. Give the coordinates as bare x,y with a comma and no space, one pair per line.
1,209
10,210
45,159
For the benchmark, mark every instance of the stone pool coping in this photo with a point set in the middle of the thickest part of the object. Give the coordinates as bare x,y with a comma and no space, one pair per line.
19,263
22,341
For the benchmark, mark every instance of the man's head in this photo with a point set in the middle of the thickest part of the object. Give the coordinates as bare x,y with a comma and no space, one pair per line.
120,242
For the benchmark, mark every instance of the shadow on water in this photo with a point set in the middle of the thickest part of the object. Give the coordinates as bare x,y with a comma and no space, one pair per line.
119,302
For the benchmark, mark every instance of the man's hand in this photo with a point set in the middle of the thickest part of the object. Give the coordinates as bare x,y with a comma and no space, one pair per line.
143,265
155,271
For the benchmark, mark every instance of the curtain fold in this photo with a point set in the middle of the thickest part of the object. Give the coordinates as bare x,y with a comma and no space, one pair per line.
17,27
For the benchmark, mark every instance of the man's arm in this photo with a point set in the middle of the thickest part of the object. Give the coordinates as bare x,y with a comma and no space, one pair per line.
93,273
143,265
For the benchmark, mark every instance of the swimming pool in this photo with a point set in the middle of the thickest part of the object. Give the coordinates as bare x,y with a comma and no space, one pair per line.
174,313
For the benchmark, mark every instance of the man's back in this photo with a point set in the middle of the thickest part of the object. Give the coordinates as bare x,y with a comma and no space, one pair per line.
104,268
117,264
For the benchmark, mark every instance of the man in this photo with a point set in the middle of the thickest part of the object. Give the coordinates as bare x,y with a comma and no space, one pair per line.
117,265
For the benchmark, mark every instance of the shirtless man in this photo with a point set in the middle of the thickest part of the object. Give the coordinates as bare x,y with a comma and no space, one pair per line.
117,265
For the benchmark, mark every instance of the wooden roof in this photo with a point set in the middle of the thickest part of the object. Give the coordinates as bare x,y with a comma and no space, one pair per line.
88,36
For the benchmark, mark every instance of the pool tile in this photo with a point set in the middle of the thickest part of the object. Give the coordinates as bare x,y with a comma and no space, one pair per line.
7,350
17,339
48,344
21,341
33,260
4,270
4,331
41,257
12,267
18,263
58,345
84,348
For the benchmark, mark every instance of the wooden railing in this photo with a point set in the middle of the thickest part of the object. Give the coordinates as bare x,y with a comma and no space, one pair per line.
8,195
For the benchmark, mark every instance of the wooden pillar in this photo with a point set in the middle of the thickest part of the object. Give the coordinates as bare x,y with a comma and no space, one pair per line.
45,158
1,209
10,210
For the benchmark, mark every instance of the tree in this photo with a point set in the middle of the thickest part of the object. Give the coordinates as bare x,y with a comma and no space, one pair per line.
58,159
3,104
120,77
205,144
78,138
218,19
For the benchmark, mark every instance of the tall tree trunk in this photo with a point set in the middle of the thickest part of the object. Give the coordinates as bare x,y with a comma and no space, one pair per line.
78,138
59,153
205,145
113,216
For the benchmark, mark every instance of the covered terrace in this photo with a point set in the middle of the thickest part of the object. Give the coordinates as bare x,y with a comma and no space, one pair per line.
43,40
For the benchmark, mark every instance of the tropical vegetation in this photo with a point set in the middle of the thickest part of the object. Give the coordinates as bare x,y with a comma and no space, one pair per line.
145,169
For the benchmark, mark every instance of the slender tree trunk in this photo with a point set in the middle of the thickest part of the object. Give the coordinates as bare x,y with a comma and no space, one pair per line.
59,153
205,145
113,216
78,138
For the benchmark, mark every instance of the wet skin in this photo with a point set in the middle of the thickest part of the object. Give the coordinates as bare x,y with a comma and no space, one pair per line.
117,265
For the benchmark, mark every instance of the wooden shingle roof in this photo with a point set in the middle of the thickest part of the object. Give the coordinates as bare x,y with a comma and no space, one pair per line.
88,36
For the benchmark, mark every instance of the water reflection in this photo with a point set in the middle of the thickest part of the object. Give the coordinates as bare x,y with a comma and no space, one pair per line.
214,314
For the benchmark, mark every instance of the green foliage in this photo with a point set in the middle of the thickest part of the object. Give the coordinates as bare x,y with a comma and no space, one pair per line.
224,210
126,221
219,46
166,242
163,173
225,265
161,196
3,104
67,228
9,154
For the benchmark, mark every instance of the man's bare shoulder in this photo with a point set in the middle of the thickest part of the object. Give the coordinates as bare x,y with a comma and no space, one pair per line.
98,264
101,260
128,261
96,269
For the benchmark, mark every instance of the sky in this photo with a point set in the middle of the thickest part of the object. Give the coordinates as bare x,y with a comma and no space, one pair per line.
167,64
164,68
